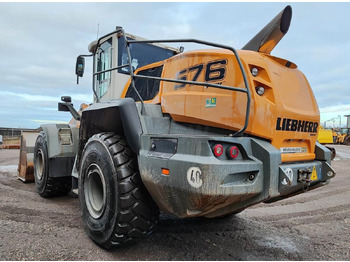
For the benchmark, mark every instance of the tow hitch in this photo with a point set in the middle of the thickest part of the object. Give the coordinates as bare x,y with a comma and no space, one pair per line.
304,175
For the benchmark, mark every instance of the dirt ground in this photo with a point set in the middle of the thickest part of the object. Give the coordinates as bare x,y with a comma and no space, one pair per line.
312,226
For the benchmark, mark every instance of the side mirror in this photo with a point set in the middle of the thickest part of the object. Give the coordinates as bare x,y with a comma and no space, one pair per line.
79,66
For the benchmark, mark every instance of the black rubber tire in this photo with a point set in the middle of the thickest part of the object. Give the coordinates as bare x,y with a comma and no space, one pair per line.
126,212
347,140
45,185
333,153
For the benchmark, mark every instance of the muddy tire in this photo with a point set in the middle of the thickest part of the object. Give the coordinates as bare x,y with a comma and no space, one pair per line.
347,141
333,152
116,207
45,185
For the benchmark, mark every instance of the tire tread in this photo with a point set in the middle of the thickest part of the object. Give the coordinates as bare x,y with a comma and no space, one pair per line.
137,213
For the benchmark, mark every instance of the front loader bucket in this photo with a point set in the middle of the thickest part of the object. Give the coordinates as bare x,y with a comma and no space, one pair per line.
26,156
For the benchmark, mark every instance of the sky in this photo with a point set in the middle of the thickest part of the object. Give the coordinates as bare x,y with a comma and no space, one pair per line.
40,42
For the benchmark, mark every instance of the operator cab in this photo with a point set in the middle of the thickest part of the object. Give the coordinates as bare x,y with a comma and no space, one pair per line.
111,70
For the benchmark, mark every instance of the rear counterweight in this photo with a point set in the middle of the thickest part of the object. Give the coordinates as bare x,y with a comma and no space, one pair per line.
191,181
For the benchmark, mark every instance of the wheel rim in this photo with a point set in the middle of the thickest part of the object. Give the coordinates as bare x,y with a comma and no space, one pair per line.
39,164
95,191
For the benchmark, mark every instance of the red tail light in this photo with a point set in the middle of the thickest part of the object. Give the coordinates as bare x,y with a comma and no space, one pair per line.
218,150
232,152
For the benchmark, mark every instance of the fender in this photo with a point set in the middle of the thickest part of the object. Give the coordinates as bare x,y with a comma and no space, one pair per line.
62,147
119,115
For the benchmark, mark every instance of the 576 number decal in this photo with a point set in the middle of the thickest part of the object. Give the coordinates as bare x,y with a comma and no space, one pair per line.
214,71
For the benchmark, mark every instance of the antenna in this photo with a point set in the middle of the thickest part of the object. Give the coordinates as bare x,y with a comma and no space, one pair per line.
98,30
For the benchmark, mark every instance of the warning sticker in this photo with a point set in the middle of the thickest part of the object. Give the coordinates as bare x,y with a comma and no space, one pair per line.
314,174
211,102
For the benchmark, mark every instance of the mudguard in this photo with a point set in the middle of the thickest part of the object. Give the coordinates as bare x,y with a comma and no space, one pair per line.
119,116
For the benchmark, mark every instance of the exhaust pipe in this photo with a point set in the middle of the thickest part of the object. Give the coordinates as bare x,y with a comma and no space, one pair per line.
266,40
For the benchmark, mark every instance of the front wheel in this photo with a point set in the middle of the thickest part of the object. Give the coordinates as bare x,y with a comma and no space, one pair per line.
116,207
47,186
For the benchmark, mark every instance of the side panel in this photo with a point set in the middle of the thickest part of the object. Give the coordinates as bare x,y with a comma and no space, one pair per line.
198,104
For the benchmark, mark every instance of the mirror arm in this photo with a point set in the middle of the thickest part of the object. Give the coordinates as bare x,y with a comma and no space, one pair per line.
67,106
73,112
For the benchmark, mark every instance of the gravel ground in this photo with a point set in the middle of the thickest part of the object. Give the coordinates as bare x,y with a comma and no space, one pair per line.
311,226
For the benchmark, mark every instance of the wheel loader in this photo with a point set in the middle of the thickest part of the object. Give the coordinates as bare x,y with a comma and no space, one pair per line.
343,136
201,133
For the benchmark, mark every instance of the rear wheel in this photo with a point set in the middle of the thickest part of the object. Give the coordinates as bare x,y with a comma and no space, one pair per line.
116,206
333,152
47,186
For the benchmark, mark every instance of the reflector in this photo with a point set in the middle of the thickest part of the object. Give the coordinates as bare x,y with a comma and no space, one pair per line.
165,171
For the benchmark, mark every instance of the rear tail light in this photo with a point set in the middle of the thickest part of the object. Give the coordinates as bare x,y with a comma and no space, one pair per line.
218,150
225,150
232,152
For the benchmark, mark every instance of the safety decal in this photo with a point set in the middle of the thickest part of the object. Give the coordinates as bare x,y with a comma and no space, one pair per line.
314,174
211,102
194,177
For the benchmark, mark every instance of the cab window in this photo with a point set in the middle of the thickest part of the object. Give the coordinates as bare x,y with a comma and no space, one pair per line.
141,54
104,62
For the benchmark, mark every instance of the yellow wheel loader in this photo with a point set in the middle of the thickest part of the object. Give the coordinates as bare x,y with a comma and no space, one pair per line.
325,136
202,133
344,136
